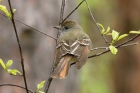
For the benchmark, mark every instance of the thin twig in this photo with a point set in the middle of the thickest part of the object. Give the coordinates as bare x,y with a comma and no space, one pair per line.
99,48
2,85
73,11
124,44
53,65
30,27
135,43
20,50
131,39
62,11
95,21
36,29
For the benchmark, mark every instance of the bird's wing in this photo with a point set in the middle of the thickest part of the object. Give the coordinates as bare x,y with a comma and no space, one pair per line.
61,50
81,49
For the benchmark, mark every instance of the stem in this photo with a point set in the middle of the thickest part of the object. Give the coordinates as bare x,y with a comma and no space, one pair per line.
20,50
53,65
1,85
95,21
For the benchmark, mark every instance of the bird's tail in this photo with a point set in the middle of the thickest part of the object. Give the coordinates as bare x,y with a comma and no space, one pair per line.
61,70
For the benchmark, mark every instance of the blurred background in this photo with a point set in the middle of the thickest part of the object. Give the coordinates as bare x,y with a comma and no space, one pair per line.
107,73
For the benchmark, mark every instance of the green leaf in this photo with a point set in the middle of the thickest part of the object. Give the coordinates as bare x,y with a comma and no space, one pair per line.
13,72
14,10
39,86
40,91
109,34
107,31
2,64
122,36
9,71
100,25
115,35
9,63
134,32
113,49
4,9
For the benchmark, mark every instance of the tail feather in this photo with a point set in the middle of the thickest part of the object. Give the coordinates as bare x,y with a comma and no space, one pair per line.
61,71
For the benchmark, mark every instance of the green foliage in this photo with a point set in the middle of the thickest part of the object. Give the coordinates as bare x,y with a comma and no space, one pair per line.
122,36
104,32
13,72
9,63
103,29
40,86
113,49
6,67
5,10
107,31
2,64
134,32
115,37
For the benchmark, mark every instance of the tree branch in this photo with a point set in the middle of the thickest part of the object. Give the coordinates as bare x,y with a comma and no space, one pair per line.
98,48
95,21
53,65
73,11
30,27
1,85
62,11
124,44
20,50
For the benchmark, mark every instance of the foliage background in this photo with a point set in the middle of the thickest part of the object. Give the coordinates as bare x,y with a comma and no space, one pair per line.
103,74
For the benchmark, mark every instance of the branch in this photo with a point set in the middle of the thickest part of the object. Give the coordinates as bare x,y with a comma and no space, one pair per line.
73,11
95,21
30,26
136,43
20,50
129,40
1,85
98,48
62,11
53,65
124,44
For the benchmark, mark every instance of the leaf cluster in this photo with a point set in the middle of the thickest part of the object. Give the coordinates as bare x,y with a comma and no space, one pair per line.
6,67
115,36
5,10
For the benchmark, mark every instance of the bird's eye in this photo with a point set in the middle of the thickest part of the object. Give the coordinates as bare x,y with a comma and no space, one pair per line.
66,27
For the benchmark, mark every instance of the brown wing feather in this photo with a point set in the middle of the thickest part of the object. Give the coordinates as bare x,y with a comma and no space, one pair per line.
81,60
62,49
81,49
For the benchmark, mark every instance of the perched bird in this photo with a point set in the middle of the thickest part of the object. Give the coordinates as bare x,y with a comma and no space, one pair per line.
72,42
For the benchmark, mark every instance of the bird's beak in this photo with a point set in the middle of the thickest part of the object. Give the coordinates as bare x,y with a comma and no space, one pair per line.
57,27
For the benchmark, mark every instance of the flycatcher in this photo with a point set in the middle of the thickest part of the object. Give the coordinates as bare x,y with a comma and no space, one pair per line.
72,42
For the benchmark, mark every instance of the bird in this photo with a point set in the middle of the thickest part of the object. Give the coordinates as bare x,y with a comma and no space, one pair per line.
72,43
